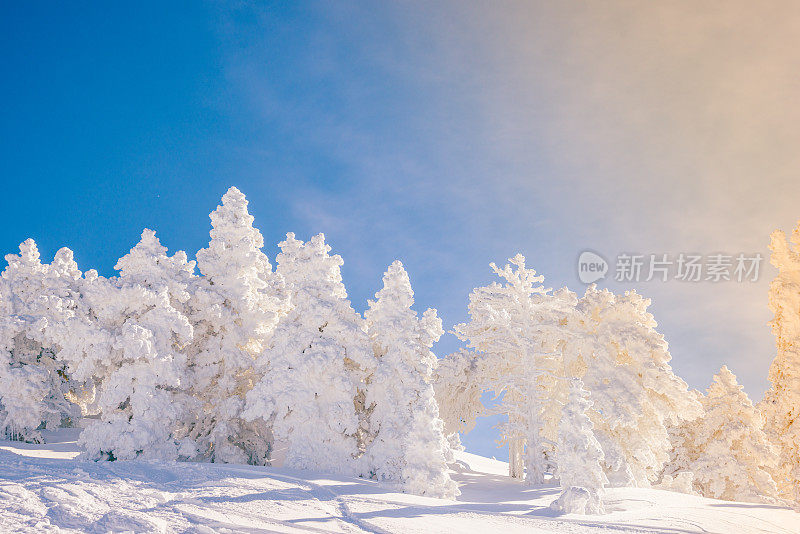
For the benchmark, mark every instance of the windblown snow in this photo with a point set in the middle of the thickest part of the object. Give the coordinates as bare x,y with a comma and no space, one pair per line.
44,488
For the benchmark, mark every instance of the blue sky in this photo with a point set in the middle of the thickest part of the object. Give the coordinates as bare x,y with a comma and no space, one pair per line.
447,135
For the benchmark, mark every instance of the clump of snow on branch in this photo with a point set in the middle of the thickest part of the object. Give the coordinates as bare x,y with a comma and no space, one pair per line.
458,391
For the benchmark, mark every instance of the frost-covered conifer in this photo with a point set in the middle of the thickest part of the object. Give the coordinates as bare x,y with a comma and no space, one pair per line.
458,390
518,328
234,308
579,457
624,362
408,447
318,361
676,474
725,450
781,404
33,382
138,365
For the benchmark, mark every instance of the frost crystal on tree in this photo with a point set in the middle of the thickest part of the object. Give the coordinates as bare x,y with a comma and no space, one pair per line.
725,450
781,404
234,308
408,447
579,457
624,362
316,364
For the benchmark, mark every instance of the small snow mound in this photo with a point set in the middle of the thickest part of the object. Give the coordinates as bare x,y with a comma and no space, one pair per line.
578,500
129,521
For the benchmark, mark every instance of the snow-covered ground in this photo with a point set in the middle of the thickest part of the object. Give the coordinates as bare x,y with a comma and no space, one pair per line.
44,489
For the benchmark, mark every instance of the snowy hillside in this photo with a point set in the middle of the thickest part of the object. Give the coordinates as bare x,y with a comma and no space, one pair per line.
43,488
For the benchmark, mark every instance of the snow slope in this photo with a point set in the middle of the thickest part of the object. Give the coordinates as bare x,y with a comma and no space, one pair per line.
43,488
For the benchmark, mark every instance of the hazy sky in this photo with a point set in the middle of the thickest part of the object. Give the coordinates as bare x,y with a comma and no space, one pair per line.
448,135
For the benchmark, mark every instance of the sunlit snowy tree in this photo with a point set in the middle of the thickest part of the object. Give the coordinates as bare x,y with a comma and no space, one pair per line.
408,447
725,450
317,364
141,369
518,329
234,308
34,298
458,391
633,389
781,404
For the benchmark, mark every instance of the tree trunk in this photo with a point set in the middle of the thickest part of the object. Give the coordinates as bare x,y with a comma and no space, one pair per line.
516,464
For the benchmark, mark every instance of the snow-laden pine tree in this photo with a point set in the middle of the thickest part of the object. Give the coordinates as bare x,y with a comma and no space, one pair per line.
781,404
624,362
518,329
316,364
579,457
408,447
676,474
139,366
726,450
458,391
234,308
34,297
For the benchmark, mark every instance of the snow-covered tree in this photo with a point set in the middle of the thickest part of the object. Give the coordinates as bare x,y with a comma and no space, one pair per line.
316,364
234,308
458,391
781,404
518,329
624,363
408,447
726,450
139,367
579,457
676,474
33,382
